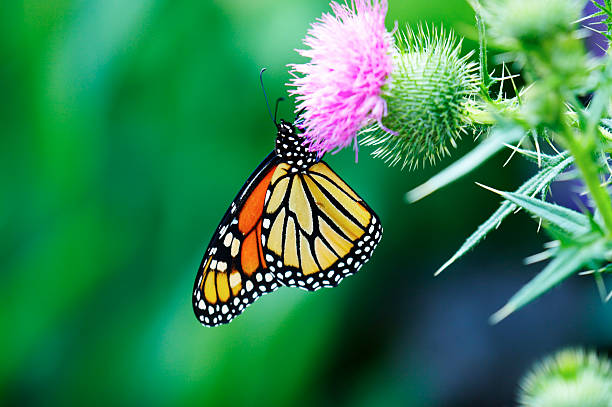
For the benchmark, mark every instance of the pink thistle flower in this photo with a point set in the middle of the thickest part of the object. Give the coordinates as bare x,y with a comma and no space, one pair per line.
340,90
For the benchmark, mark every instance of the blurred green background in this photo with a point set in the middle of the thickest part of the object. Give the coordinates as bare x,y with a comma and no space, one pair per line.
127,127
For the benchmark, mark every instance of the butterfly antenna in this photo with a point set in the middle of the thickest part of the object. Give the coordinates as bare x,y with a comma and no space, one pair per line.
266,96
276,108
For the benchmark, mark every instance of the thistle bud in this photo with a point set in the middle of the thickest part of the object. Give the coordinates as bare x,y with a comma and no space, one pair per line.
542,107
527,23
570,378
427,97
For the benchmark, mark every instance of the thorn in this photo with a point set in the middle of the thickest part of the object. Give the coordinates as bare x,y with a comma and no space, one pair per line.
516,91
552,244
537,146
550,143
514,151
520,150
586,273
538,257
445,266
495,191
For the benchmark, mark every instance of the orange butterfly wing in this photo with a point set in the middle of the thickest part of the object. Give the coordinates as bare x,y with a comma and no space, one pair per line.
233,272
295,222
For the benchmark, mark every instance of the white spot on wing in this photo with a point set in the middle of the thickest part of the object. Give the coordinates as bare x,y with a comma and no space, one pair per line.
235,247
228,239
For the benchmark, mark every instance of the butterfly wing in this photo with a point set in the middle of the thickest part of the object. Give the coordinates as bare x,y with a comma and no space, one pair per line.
233,272
316,229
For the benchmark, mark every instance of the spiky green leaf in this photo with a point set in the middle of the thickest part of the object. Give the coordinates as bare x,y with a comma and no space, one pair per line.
485,150
564,220
568,260
534,185
539,158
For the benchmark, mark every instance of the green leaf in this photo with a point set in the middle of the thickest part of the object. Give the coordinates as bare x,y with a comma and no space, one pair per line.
543,160
604,9
606,125
485,150
534,185
569,222
567,261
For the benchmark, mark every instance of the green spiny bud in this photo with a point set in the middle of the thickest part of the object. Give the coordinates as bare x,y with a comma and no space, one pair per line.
543,38
570,378
527,23
427,97
542,107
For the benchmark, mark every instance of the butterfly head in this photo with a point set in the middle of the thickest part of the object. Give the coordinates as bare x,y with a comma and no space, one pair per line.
290,148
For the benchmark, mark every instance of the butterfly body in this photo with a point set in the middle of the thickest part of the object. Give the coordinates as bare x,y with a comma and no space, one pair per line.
294,223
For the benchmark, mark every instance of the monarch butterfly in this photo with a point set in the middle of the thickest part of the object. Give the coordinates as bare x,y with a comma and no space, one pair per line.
294,223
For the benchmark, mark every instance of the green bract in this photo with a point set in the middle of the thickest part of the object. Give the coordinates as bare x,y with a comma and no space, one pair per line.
570,378
529,22
427,98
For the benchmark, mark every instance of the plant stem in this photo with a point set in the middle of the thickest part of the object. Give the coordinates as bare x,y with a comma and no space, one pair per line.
485,77
479,115
584,151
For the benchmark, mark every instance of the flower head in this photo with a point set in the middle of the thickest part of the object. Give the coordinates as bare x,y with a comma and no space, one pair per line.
431,89
339,90
528,22
571,377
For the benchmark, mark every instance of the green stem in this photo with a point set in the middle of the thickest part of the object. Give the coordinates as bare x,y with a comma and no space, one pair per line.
584,151
479,115
485,77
